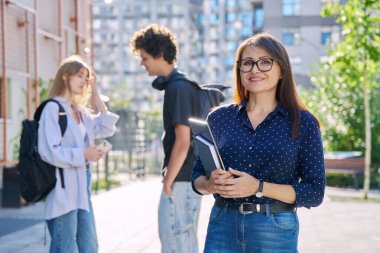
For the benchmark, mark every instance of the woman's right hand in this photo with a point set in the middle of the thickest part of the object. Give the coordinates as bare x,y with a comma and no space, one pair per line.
93,154
215,175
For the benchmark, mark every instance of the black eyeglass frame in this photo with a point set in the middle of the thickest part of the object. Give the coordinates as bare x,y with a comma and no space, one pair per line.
255,63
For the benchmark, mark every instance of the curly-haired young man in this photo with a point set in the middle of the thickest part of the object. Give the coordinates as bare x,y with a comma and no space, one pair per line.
179,205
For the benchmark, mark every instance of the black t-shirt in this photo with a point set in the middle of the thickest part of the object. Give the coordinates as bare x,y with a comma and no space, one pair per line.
180,103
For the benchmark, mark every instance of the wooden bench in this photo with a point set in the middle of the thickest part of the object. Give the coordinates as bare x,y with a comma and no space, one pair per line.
353,166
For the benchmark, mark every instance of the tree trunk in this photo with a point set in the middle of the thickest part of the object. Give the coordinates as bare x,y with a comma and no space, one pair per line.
368,146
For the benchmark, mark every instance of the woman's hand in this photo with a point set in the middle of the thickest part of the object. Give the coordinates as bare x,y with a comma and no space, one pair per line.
96,101
94,88
93,153
216,176
240,185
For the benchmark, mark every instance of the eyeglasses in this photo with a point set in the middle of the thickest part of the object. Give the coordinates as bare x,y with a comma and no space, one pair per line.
264,65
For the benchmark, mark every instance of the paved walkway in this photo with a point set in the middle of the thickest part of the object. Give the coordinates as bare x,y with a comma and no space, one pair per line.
127,222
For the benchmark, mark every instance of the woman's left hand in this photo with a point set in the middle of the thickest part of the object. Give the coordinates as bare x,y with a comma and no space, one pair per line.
243,185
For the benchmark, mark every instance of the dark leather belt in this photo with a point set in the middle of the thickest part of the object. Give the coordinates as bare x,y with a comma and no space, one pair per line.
247,208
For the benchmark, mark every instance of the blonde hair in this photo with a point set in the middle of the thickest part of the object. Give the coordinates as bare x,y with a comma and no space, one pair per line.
70,67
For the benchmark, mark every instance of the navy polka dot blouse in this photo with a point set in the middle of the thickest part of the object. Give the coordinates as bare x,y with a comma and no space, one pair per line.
269,153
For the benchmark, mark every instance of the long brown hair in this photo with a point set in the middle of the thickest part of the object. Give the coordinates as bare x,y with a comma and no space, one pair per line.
286,92
70,67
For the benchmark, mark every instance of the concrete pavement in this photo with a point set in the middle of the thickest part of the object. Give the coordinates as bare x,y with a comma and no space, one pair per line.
126,220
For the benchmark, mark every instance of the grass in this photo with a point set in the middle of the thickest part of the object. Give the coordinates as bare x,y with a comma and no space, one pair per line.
102,184
352,198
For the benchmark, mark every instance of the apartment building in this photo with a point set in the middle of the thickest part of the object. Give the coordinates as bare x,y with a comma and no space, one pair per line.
225,23
114,25
209,32
299,25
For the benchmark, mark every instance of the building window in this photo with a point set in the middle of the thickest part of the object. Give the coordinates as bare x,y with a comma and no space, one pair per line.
231,3
329,34
231,46
258,17
177,9
163,9
246,18
296,63
97,24
128,9
214,18
165,21
230,32
214,5
325,37
96,10
229,61
231,16
112,11
291,36
113,24
246,31
291,7
97,38
201,19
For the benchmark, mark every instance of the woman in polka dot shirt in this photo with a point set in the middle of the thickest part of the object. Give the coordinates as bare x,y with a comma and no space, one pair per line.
272,147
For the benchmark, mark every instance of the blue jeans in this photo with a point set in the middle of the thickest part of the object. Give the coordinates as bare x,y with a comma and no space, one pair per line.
74,232
178,219
229,231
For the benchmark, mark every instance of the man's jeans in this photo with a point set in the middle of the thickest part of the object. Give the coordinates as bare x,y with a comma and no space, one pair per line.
74,232
178,219
229,231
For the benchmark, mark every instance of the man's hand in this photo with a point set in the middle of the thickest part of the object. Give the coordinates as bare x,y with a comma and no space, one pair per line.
167,187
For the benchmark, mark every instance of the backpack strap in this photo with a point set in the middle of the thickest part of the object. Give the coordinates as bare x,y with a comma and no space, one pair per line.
62,114
181,76
62,121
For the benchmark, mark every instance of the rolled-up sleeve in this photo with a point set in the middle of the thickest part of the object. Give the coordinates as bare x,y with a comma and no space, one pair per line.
104,124
310,188
198,171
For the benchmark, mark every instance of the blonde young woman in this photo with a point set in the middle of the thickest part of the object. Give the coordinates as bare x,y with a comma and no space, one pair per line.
68,211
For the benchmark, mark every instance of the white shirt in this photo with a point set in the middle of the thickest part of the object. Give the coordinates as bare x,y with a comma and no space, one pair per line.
67,152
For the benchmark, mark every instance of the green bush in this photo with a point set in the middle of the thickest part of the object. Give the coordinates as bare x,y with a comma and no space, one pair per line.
348,180
103,184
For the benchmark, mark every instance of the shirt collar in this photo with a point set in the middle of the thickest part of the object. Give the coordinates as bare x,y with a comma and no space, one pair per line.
279,108
61,99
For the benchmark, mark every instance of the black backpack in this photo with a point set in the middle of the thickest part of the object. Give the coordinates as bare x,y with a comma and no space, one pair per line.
210,95
37,177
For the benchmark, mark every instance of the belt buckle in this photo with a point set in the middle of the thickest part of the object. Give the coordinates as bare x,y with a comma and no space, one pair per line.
241,209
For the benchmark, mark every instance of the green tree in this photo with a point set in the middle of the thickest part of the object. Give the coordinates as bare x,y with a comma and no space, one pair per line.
347,82
120,96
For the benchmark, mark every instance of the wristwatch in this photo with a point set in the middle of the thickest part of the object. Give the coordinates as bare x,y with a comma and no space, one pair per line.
259,193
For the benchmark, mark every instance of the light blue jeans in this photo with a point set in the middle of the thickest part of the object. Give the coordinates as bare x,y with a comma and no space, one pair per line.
229,231
178,219
74,232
